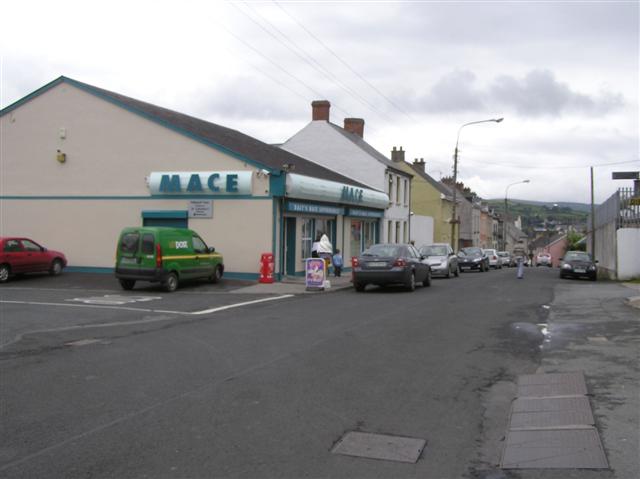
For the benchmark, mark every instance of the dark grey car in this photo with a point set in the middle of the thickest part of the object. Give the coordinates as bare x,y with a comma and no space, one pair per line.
473,258
384,264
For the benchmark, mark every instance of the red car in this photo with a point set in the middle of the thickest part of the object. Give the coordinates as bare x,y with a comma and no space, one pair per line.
22,255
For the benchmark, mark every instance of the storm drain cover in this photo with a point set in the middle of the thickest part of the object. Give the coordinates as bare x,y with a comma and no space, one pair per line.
550,385
559,449
551,413
380,446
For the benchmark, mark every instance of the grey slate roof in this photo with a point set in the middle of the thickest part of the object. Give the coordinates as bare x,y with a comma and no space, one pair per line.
370,150
245,147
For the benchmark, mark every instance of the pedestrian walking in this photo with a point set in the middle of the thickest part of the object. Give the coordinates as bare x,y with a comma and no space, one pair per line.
519,253
337,263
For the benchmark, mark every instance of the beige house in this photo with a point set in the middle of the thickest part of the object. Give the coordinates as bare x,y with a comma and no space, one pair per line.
79,163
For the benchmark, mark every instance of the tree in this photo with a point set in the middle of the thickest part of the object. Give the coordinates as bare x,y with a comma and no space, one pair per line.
575,242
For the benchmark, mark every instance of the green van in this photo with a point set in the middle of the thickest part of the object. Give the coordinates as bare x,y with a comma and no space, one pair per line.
164,255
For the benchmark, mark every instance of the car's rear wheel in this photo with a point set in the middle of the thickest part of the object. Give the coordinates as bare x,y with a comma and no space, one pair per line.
359,287
171,283
127,284
56,267
5,272
411,282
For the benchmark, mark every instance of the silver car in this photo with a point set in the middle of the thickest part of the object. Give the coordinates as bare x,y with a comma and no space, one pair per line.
441,258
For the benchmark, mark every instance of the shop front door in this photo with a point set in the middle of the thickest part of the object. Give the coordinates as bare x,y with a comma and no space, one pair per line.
290,247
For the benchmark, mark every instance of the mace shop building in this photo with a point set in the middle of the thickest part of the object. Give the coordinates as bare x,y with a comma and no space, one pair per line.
79,163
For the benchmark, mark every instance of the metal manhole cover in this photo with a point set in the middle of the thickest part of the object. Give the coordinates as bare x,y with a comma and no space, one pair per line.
380,446
550,385
554,413
554,449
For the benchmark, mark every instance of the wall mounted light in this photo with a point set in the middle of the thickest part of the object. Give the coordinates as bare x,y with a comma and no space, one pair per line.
61,157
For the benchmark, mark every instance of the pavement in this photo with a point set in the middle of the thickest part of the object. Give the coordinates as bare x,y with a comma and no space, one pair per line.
634,300
295,285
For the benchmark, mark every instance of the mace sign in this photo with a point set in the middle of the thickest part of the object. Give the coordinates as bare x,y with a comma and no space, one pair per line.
200,183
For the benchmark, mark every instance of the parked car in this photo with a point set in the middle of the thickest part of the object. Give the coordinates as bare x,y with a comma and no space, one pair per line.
543,259
578,264
383,264
505,258
473,258
23,255
166,256
494,259
441,259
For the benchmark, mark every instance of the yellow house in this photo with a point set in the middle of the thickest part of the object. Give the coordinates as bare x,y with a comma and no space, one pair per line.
428,197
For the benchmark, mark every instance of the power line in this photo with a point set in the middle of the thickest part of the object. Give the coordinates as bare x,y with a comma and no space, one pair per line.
307,58
349,67
529,167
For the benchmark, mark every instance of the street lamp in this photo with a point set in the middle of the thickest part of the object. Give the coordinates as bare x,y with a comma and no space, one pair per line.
455,178
506,211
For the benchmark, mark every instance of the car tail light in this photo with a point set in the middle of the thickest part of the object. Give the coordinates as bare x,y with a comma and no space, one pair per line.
158,256
354,262
400,262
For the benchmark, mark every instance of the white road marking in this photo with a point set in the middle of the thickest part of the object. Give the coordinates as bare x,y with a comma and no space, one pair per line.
246,303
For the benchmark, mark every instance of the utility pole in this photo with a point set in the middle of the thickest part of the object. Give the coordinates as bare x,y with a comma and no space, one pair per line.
593,220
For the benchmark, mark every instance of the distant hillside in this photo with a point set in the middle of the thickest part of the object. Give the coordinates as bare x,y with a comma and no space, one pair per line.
582,207
539,214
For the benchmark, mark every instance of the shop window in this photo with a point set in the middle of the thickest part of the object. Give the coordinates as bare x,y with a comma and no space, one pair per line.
306,238
356,237
369,235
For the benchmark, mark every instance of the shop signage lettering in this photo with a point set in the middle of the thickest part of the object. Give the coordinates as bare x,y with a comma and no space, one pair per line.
171,184
200,183
353,195
296,207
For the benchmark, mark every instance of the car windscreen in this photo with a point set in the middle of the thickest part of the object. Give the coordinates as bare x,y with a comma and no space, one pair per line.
385,250
434,250
471,251
577,257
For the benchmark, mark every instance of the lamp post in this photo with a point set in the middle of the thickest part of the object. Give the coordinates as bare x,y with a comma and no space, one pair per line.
506,211
454,220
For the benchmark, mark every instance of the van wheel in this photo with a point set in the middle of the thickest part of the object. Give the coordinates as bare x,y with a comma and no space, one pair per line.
127,284
56,268
171,283
217,275
5,271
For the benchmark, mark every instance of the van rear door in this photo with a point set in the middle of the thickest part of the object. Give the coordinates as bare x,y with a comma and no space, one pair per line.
128,251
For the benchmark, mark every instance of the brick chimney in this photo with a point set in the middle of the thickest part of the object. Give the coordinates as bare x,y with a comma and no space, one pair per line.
421,163
320,110
354,125
397,156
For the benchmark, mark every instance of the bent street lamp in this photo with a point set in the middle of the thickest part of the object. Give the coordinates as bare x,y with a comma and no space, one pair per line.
505,230
454,219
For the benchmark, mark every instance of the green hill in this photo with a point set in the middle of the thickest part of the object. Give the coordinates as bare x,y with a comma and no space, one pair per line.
538,214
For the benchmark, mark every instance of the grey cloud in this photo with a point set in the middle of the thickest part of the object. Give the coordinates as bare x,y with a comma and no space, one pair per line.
539,94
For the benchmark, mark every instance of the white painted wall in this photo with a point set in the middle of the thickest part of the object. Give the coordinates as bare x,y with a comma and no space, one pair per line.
421,230
628,253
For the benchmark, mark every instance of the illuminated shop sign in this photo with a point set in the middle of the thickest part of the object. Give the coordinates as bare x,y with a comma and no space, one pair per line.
200,183
311,208
315,189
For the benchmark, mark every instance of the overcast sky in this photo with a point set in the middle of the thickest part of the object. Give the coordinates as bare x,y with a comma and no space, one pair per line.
564,75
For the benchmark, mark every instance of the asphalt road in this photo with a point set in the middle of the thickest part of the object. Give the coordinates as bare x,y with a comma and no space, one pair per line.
194,385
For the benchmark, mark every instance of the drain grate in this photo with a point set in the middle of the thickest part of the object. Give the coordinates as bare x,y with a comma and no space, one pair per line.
554,449
380,446
540,413
550,385
551,425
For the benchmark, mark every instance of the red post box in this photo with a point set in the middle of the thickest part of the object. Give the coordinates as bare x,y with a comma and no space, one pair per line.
266,268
